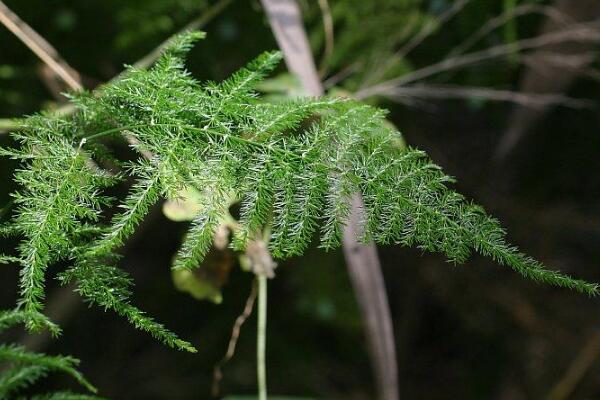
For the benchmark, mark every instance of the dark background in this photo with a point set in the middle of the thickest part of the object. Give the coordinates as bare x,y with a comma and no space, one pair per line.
474,331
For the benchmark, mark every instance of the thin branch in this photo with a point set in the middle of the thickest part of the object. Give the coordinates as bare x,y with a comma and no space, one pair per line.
342,75
286,23
426,31
407,94
581,364
40,47
542,61
369,285
235,335
430,28
329,36
585,32
551,13
7,124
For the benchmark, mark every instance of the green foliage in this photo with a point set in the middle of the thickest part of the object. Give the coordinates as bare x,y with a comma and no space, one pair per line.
108,287
292,166
59,199
14,317
21,368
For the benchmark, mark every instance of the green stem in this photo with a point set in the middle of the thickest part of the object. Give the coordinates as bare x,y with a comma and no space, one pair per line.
7,125
261,343
206,130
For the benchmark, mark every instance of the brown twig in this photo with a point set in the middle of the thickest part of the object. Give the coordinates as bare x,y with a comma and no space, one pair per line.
544,62
40,47
369,286
235,334
407,95
341,75
286,23
525,9
426,31
329,36
554,74
588,355
430,28
585,32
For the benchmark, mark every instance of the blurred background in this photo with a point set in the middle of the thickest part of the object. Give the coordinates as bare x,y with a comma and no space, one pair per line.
502,94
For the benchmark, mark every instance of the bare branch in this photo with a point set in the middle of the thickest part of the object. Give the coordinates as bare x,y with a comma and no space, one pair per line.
7,124
551,13
40,47
407,95
235,335
583,33
286,22
425,32
341,75
550,74
544,62
581,364
329,36
369,286
431,28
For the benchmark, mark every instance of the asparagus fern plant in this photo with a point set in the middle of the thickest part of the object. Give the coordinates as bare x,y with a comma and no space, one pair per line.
292,166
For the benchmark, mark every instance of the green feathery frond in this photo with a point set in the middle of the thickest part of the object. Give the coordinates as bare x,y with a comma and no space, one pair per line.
199,239
293,167
14,317
21,369
109,287
9,260
20,377
143,195
60,193
227,96
181,44
17,355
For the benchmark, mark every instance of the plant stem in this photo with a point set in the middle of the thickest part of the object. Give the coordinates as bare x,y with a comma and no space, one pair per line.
7,125
40,47
261,343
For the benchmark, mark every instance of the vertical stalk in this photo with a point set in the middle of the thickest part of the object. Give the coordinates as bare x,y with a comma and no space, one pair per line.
261,343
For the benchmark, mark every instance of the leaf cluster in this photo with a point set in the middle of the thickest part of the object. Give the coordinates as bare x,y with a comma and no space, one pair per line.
292,166
21,368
